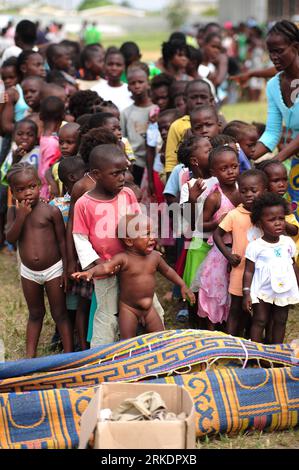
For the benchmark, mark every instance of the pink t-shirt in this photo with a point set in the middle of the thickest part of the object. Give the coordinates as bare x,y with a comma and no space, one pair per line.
49,153
98,219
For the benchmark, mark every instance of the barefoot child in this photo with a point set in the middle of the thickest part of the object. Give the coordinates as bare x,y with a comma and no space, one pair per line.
278,184
137,267
252,184
269,282
71,170
96,217
212,276
39,230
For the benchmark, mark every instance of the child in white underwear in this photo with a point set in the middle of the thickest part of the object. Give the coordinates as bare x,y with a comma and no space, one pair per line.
39,230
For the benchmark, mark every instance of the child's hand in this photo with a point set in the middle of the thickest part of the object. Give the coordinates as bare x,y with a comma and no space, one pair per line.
72,267
247,302
18,154
87,275
187,293
64,281
235,260
24,207
196,190
241,78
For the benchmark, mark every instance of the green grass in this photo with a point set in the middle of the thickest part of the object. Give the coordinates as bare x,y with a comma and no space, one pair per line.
149,45
85,4
13,319
246,111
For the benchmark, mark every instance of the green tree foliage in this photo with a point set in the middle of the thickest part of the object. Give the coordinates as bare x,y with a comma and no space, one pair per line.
176,13
93,4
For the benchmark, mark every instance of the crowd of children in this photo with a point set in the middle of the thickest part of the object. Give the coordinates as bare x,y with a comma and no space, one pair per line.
88,150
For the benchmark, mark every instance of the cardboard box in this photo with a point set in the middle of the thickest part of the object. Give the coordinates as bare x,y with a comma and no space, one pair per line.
178,434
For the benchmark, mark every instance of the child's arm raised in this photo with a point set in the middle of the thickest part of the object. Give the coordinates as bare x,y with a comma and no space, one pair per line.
16,217
170,274
60,236
105,269
247,280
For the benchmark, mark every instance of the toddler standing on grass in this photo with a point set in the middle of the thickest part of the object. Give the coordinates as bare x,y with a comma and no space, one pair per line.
270,282
96,217
252,184
39,230
137,267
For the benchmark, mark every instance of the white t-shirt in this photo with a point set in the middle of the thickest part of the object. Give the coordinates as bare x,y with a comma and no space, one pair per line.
12,51
209,183
274,280
120,95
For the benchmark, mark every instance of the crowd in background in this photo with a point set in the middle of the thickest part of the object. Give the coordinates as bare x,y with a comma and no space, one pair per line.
91,136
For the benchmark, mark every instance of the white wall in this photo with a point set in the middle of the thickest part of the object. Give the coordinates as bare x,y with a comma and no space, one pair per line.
240,10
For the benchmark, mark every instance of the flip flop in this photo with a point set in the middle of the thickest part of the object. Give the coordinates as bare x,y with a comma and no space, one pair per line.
182,316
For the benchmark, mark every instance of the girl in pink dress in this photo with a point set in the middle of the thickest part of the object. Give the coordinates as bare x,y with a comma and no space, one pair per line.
212,277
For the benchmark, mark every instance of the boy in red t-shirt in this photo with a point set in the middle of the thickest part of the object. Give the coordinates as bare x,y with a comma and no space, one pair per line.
96,217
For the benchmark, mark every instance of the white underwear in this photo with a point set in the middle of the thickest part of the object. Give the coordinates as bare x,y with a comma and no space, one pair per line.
40,277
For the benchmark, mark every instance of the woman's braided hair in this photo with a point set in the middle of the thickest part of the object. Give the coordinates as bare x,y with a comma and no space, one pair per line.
287,29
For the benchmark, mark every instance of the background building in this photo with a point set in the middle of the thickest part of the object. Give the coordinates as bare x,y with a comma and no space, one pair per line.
262,10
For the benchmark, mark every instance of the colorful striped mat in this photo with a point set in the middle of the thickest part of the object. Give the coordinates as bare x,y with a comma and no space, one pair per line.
43,409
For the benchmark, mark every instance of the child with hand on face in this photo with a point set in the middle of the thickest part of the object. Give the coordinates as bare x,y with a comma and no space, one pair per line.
252,184
137,267
24,147
39,230
270,282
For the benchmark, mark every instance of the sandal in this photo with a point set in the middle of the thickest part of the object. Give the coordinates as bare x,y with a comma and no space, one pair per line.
182,316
